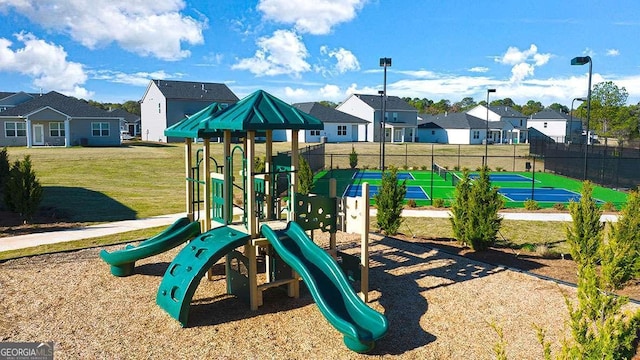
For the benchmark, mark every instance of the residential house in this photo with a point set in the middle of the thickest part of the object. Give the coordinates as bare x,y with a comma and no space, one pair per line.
501,133
452,128
167,102
54,119
554,126
338,126
130,124
400,117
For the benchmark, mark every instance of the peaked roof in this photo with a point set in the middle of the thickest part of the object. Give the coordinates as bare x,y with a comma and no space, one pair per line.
506,111
393,102
328,114
67,105
122,113
549,114
259,111
453,121
189,90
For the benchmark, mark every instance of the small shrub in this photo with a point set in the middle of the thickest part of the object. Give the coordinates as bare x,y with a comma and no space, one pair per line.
389,201
5,167
405,167
423,167
23,192
531,204
560,206
456,168
365,167
258,165
499,168
353,158
608,206
438,203
544,251
305,177
411,203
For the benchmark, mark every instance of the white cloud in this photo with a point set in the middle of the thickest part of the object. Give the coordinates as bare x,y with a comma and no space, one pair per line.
316,17
45,63
345,61
145,27
282,53
613,52
479,69
523,62
331,92
136,79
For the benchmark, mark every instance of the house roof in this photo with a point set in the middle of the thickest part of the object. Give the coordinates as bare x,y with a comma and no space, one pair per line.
259,111
328,114
453,121
394,103
64,104
188,90
127,116
550,114
506,111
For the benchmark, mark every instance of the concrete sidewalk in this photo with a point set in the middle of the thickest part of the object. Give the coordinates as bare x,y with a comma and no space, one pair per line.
44,238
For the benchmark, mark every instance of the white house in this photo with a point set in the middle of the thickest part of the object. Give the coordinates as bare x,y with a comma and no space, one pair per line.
400,117
338,126
553,125
453,128
166,102
514,133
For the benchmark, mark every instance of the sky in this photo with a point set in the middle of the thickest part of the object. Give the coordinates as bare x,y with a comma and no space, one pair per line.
301,50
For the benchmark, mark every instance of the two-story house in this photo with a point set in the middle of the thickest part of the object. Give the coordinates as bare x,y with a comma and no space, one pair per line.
167,102
555,126
400,117
452,128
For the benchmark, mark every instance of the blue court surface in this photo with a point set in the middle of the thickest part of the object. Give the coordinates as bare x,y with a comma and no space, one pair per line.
555,195
413,192
378,176
502,177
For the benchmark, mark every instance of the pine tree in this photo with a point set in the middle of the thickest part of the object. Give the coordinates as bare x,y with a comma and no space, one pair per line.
389,202
459,208
23,192
353,158
585,235
5,167
305,176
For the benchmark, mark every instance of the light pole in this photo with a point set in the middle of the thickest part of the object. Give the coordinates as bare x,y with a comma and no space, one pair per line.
381,93
486,135
581,99
581,60
384,62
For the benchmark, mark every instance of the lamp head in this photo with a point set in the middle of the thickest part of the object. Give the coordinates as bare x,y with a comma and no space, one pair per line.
385,61
491,90
580,60
580,99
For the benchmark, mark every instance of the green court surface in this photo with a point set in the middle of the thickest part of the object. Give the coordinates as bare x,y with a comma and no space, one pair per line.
515,187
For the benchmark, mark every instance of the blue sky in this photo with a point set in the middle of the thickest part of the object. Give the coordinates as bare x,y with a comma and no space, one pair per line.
301,50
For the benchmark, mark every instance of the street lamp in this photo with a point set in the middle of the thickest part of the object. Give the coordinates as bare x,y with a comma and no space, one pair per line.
486,135
581,99
384,62
581,60
381,93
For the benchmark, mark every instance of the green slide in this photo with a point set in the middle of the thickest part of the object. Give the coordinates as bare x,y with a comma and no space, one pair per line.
123,261
183,275
338,302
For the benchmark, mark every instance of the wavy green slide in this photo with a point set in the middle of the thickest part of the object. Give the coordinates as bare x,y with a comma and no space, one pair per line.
123,261
338,302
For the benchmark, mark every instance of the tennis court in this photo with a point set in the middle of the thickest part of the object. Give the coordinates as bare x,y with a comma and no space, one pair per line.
413,192
540,194
503,177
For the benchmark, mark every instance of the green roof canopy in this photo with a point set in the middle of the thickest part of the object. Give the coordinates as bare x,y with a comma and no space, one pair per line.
259,111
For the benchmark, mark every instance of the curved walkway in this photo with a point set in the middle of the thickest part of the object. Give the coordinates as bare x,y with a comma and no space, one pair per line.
44,238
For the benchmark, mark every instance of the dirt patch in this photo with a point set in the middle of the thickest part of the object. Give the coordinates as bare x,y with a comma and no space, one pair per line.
47,219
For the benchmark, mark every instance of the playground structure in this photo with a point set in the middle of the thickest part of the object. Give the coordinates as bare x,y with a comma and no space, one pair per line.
259,226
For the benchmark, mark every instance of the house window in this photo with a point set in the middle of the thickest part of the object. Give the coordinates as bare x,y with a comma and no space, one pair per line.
159,109
14,129
56,129
100,129
545,125
520,122
476,134
395,117
433,132
314,132
342,130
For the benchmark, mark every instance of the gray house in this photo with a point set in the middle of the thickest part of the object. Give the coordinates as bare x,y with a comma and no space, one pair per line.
130,124
338,126
54,119
514,133
555,126
167,102
401,119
